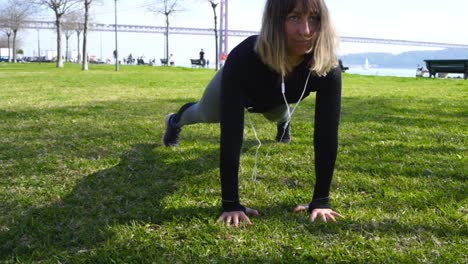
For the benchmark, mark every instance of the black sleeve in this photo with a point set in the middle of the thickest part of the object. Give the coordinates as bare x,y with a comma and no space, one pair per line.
232,131
327,117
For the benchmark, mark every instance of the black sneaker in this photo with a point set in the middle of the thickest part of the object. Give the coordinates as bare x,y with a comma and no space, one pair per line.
283,135
171,135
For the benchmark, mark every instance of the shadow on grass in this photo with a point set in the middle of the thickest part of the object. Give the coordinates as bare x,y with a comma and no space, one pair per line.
132,191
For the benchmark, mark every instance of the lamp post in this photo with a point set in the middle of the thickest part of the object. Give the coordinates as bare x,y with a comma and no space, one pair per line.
116,53
38,45
214,5
101,45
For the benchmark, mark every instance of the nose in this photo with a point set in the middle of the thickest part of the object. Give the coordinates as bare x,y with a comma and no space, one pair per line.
304,27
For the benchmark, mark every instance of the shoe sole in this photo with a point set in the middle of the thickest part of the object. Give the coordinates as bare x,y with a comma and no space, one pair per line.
166,124
284,141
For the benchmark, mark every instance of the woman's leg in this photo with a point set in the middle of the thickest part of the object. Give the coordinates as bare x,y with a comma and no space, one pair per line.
207,110
280,115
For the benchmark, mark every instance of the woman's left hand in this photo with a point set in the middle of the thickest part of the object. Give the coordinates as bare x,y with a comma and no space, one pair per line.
323,214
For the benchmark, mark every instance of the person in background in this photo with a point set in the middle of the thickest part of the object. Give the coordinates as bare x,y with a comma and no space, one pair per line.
171,60
294,55
202,58
223,59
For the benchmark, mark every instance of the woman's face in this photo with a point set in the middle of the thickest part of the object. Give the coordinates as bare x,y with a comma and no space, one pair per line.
300,26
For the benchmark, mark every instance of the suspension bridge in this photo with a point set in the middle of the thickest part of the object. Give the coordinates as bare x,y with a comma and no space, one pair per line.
223,33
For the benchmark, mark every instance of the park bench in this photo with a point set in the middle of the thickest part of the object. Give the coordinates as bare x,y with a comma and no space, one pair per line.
163,62
447,66
199,63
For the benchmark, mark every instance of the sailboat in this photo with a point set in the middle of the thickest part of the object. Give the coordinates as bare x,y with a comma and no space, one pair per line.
366,64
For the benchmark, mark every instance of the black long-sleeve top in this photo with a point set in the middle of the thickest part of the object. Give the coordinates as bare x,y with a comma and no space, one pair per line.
248,83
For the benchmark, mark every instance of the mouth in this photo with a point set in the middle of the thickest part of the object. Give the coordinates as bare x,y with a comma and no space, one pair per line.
303,43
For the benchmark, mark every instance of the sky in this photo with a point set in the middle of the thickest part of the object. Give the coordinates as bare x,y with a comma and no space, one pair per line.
419,20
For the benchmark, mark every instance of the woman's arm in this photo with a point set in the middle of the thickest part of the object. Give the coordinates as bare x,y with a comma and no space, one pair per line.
327,117
232,131
232,128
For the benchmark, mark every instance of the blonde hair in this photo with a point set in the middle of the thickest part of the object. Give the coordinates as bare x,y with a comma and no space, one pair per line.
271,42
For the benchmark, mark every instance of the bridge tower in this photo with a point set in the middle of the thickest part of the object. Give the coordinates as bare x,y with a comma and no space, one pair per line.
223,30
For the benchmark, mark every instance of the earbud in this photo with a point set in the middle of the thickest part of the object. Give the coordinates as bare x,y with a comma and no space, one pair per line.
283,91
283,86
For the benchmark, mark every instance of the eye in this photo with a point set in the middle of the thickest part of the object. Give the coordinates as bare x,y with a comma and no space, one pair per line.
294,18
313,19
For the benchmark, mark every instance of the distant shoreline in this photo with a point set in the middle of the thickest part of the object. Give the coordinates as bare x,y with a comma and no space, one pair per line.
396,72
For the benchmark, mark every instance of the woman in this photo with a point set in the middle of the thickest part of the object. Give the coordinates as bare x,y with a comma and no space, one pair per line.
293,56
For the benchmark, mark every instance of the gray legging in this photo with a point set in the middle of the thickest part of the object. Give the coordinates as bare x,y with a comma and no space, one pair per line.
207,110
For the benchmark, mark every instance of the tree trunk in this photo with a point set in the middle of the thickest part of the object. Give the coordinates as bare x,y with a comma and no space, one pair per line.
216,36
9,48
66,48
85,37
167,38
14,45
58,24
78,60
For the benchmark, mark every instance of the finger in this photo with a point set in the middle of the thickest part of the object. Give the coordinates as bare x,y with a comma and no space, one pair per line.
250,211
236,221
330,216
228,219
246,219
313,215
222,218
336,214
324,218
300,208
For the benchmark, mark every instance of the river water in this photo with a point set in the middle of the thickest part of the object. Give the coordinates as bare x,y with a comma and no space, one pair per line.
399,72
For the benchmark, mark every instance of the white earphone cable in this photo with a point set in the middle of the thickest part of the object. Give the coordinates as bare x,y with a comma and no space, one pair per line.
289,112
254,170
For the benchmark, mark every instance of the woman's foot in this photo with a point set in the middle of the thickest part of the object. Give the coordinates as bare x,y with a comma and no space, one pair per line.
171,134
283,134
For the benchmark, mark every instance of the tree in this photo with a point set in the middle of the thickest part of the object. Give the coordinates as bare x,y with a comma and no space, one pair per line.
14,16
87,6
81,24
3,39
5,27
60,8
79,27
8,32
165,7
69,25
214,4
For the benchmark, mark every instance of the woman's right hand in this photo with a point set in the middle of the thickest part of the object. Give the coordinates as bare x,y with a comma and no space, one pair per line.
236,217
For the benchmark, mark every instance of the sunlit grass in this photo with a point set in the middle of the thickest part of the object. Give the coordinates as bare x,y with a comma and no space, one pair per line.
84,178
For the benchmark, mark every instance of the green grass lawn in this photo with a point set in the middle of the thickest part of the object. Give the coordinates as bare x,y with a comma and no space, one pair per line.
84,177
